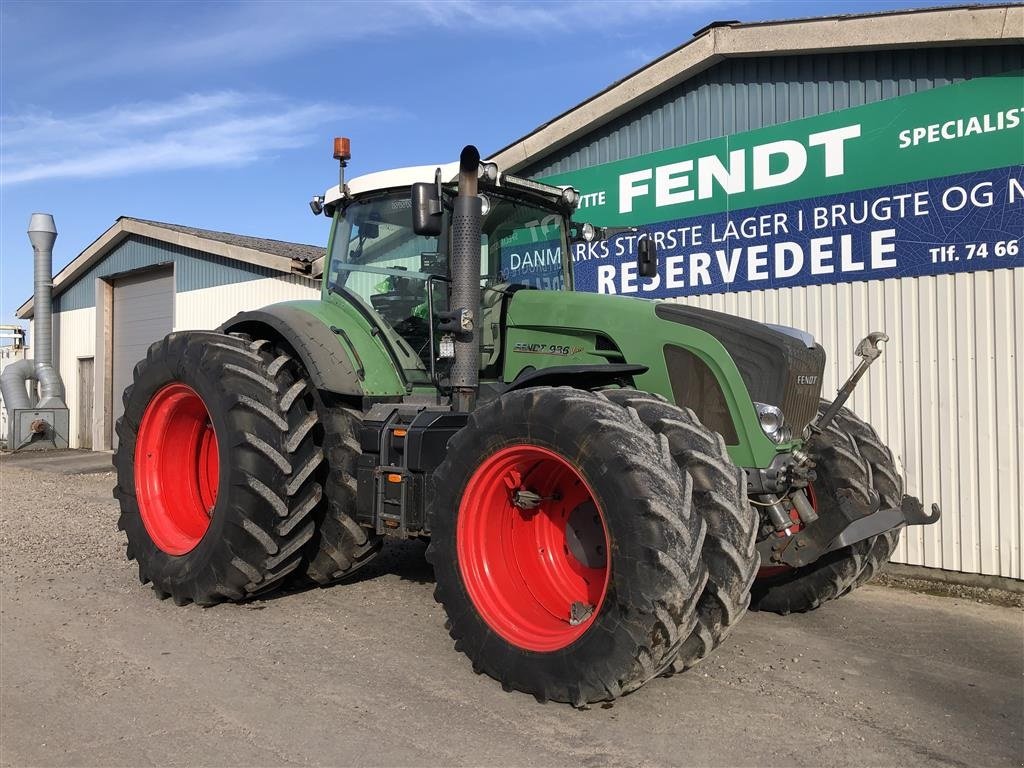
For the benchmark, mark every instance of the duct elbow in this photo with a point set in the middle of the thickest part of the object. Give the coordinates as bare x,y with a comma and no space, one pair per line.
13,383
51,386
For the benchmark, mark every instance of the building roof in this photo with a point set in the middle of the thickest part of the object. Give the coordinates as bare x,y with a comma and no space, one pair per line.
298,251
912,28
277,255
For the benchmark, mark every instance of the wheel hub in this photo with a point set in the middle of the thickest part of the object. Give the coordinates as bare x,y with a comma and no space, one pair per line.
177,469
533,548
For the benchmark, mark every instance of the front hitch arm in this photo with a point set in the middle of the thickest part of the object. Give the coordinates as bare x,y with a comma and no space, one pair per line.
914,514
854,520
816,540
869,351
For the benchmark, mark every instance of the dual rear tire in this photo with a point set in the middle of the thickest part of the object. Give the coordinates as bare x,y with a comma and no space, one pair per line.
571,545
222,464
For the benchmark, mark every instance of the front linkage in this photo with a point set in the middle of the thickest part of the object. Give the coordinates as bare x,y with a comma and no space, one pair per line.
784,490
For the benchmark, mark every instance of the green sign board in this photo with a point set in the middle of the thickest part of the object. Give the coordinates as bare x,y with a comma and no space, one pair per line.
922,184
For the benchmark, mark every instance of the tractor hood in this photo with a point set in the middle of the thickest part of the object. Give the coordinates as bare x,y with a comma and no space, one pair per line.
780,366
716,364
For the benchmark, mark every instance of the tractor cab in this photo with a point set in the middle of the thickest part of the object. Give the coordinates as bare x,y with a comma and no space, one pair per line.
398,272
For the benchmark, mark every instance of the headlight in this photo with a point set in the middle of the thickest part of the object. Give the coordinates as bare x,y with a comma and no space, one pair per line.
570,197
588,232
485,205
488,173
773,423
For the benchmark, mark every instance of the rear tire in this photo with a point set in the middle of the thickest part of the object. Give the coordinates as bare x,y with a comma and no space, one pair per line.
226,515
851,459
340,547
641,567
720,497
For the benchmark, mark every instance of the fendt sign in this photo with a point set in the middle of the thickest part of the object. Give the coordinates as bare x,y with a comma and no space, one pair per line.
925,184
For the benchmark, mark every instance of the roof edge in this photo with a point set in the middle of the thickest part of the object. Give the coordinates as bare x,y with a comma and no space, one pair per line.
917,27
126,226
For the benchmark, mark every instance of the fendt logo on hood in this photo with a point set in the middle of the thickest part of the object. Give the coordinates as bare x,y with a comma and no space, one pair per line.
546,349
805,380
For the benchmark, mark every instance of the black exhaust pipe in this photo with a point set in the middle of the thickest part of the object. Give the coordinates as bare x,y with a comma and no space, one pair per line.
465,276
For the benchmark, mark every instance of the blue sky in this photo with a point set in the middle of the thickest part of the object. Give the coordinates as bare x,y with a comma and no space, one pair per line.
220,115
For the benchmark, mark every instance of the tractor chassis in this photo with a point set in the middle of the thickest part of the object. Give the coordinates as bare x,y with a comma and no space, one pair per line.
401,445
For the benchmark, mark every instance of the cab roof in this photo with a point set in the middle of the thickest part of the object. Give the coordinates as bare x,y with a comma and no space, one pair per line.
395,178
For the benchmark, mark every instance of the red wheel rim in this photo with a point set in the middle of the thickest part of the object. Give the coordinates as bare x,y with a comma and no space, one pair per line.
177,469
537,577
775,570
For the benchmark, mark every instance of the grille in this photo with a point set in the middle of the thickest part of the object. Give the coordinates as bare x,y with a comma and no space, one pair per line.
777,369
695,386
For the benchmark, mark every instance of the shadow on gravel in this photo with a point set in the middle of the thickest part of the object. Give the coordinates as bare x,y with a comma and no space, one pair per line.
404,559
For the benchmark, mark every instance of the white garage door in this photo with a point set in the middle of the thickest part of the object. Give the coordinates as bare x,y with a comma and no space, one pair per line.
143,313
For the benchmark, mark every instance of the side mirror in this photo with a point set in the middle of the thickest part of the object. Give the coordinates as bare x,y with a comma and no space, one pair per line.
647,258
426,209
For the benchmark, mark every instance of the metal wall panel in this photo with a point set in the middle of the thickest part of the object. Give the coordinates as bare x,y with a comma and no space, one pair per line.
74,336
209,307
946,397
192,269
743,94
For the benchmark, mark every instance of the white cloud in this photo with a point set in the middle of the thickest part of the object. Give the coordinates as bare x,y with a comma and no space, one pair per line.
196,130
553,18
229,128
231,35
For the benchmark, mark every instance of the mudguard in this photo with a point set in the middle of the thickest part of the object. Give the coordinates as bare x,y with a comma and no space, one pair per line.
329,366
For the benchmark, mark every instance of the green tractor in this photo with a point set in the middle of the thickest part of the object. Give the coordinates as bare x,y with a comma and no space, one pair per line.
606,483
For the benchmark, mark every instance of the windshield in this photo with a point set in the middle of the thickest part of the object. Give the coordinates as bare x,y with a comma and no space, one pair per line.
523,245
378,260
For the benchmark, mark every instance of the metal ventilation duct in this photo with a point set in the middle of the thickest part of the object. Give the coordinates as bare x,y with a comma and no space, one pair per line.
43,233
43,423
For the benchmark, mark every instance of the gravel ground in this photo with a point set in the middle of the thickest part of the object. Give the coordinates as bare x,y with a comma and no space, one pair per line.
94,670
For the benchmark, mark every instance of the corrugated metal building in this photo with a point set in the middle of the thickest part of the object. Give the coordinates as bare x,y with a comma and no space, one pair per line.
947,395
139,281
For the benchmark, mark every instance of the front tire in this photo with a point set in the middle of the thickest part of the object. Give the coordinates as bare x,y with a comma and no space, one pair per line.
590,593
720,498
851,460
888,484
216,468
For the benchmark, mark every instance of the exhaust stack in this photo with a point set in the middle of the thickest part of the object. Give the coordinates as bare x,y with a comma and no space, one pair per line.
465,275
